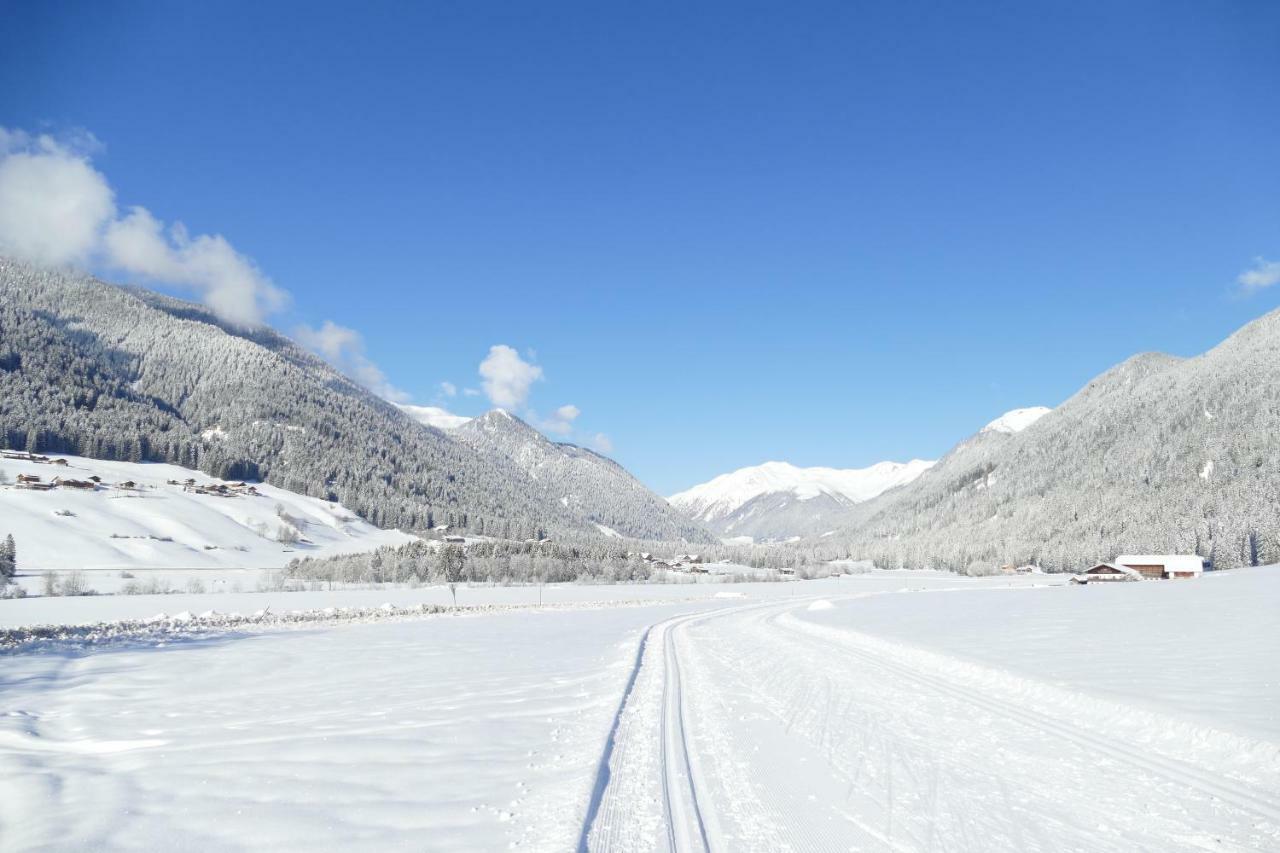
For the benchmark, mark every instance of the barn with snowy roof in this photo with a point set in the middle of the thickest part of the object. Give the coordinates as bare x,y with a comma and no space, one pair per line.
1168,566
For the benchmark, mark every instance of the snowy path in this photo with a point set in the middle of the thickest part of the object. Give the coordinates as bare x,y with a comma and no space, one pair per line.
475,732
754,728
767,722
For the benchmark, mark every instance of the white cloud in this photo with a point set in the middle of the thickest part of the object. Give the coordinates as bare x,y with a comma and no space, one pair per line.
56,208
448,389
470,392
227,281
602,443
434,416
1261,275
561,423
506,377
53,204
344,349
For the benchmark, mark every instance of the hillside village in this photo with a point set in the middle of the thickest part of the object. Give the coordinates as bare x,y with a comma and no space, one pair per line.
36,483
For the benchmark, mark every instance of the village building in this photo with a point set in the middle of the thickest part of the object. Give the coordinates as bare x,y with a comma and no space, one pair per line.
456,540
1166,566
1107,573
74,484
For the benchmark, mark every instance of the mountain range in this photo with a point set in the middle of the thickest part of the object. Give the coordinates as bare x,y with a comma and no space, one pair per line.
109,372
1158,454
779,501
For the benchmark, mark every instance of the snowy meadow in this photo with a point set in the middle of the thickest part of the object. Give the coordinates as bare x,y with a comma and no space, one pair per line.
886,710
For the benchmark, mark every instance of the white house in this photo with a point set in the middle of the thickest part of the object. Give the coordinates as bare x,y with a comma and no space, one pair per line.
1164,565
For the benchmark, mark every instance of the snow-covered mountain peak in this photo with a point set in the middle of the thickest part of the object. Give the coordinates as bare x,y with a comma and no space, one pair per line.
1017,420
723,495
434,416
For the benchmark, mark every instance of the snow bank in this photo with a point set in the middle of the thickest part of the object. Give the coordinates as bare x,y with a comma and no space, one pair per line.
163,627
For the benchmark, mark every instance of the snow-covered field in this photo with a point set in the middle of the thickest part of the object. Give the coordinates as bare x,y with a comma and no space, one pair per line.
223,596
886,711
159,525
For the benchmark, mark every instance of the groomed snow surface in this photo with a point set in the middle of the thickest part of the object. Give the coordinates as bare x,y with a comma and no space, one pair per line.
885,711
158,525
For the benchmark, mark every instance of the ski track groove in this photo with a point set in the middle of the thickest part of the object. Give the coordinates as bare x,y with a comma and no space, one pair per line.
919,792
1180,772
677,767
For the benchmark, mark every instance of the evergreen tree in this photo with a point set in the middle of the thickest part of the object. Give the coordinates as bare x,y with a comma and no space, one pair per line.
8,558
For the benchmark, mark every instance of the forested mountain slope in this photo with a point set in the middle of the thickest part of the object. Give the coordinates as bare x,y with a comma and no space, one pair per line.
591,488
97,370
1158,454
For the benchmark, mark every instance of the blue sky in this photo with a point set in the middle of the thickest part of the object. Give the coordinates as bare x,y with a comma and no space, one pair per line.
825,233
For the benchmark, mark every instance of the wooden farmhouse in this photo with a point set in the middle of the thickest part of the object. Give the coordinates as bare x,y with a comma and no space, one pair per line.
1167,566
86,485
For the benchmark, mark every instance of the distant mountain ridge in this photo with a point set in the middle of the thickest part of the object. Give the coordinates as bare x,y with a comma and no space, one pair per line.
777,500
109,372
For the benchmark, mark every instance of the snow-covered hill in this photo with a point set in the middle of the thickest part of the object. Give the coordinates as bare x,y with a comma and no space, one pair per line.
752,501
121,373
162,522
1159,454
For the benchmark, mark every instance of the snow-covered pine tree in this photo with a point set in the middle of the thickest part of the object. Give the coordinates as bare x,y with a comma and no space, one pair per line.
8,558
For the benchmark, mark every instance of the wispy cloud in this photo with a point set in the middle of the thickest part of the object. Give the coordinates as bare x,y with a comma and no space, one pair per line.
344,349
601,443
227,281
561,421
1261,275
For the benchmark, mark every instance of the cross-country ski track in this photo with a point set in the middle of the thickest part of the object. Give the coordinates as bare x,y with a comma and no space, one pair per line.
890,711
755,728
